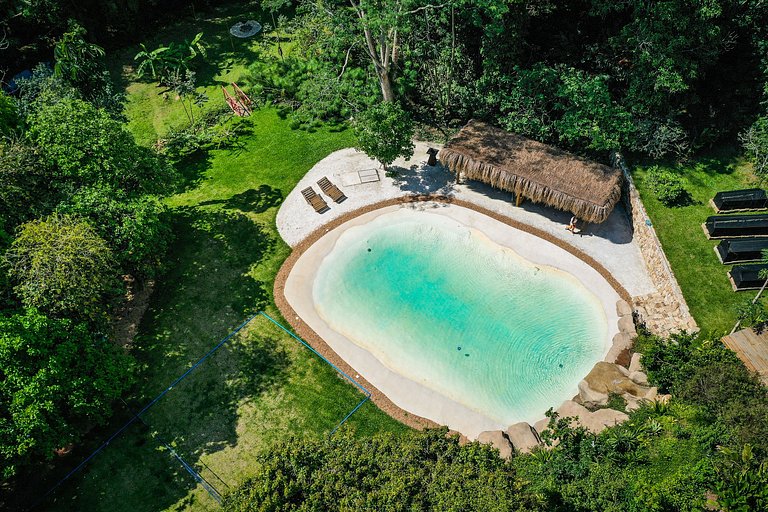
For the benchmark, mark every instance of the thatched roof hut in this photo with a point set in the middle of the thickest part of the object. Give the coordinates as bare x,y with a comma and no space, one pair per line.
530,169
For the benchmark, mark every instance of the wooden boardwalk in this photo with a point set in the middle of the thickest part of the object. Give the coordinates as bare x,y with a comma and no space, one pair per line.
752,349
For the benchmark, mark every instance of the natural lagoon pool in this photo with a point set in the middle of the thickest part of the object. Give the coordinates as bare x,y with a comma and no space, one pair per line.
436,300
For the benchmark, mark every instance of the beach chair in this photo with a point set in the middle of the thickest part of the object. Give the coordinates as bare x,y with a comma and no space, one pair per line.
317,202
331,190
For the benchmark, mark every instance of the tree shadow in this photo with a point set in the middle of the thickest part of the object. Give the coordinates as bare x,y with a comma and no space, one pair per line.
255,200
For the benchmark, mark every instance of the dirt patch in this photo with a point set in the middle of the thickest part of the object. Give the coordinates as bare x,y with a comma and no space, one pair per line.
128,316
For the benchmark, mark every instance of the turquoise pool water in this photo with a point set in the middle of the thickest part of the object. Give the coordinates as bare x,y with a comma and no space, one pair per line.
441,304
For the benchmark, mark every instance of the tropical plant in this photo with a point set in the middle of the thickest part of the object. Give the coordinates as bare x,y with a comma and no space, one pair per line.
152,60
75,57
164,62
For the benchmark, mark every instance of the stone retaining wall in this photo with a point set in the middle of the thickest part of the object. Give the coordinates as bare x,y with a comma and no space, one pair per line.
664,311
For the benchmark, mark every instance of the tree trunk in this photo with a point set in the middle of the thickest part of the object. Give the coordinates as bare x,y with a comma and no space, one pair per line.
386,86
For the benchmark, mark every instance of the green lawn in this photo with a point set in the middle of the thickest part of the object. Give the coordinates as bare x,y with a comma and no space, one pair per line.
702,277
262,387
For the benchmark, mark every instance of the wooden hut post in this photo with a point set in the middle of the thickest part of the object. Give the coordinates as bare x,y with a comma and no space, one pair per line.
518,199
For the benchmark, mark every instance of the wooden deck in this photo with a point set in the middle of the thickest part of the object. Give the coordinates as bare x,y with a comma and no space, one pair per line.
752,349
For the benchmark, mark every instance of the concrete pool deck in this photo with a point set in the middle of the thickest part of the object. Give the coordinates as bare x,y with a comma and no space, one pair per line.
610,243
393,392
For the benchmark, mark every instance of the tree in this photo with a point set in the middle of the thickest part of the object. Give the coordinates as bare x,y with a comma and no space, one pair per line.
60,265
135,228
385,132
755,143
413,471
75,58
24,190
56,381
87,147
9,115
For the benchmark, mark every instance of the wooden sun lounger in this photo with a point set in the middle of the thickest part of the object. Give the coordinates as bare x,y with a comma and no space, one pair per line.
331,190
317,202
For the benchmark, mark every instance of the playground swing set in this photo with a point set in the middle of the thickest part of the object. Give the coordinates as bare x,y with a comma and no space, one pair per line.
240,103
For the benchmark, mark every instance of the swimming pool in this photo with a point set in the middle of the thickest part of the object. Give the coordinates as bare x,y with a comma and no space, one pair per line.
484,324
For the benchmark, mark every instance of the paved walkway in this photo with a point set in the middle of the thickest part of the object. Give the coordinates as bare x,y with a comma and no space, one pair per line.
360,178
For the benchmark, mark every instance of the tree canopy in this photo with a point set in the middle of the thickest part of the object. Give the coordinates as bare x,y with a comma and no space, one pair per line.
60,265
56,380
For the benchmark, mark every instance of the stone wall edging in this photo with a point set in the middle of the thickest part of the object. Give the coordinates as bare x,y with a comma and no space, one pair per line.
667,310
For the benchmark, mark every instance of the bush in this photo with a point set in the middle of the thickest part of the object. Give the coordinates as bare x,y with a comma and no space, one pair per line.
59,264
667,186
56,381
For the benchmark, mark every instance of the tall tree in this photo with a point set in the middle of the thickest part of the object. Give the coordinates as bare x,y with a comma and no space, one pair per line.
56,381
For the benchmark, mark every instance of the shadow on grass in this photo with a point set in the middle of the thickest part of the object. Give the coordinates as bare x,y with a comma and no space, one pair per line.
207,291
255,200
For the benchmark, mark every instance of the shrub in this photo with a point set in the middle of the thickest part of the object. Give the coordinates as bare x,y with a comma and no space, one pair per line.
667,186
59,264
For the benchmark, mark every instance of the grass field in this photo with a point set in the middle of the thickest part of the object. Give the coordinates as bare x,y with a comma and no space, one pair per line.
262,387
702,277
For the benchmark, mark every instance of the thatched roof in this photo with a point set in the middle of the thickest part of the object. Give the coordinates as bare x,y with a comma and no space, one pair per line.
536,171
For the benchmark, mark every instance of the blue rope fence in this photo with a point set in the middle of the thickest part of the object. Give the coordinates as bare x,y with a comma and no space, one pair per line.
190,470
339,370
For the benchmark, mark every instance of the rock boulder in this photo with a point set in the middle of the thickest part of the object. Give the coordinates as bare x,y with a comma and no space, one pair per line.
623,308
498,440
523,437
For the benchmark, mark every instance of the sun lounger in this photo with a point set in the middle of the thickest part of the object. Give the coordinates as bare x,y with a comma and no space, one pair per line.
317,202
331,190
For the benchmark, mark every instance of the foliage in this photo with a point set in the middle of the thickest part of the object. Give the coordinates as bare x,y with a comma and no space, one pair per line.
60,265
87,147
24,189
9,115
743,483
56,381
418,471
308,90
667,186
214,129
164,62
384,132
81,65
136,229
706,374
565,105
75,57
755,143
752,313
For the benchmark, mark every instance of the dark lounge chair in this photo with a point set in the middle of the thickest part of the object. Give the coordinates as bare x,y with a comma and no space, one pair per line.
730,226
331,190
747,277
749,199
742,250
317,202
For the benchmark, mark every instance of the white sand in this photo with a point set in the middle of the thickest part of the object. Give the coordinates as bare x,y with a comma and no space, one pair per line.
405,393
